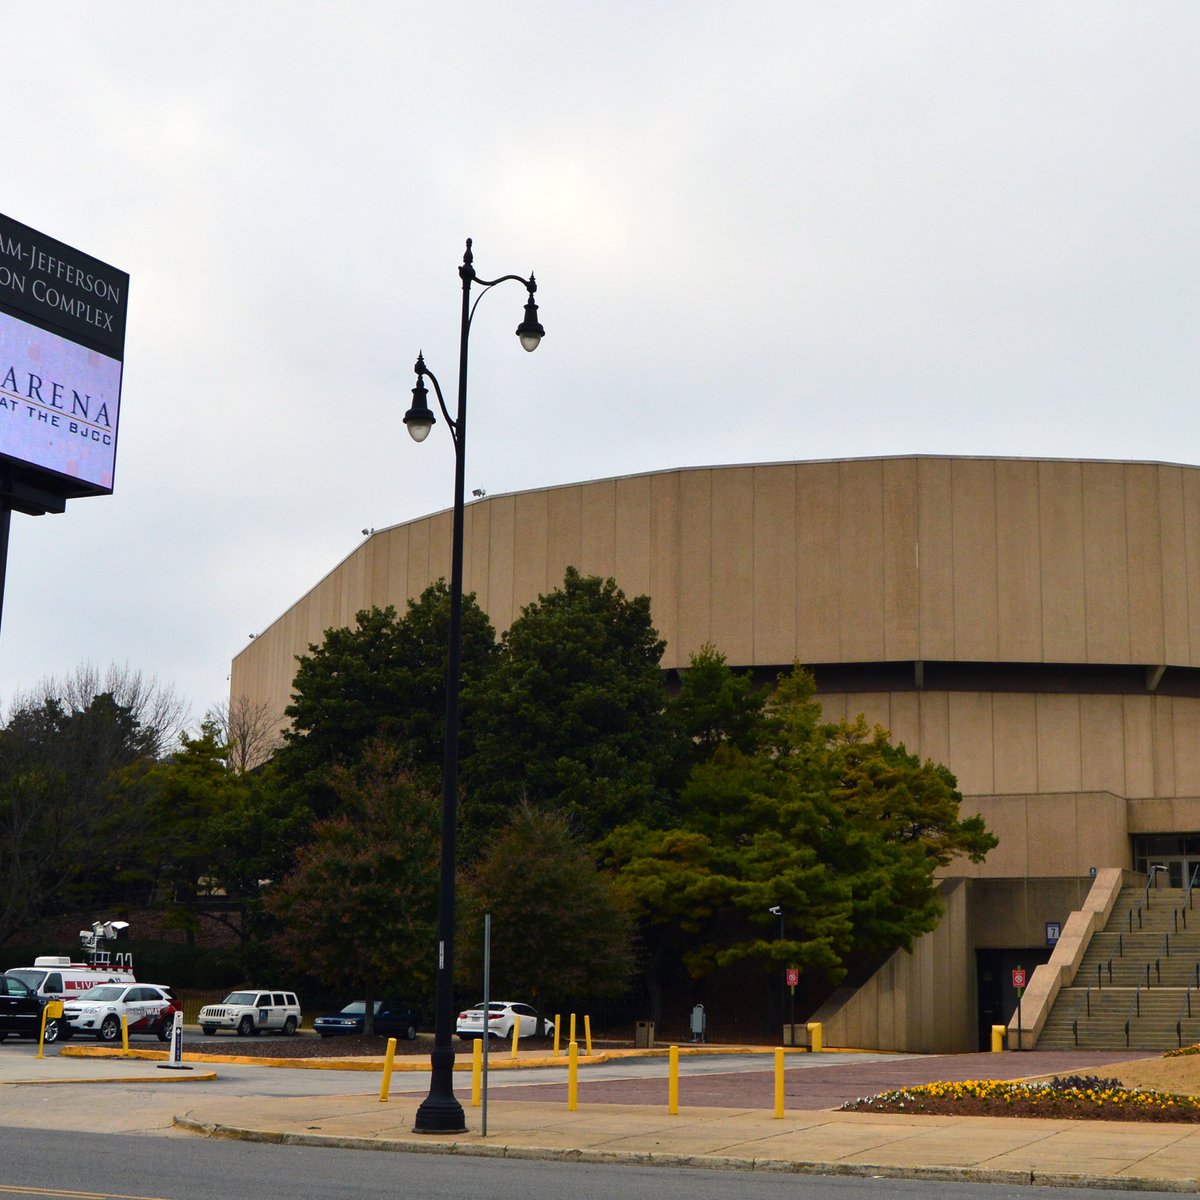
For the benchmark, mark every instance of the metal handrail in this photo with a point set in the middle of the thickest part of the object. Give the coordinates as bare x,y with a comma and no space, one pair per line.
1187,896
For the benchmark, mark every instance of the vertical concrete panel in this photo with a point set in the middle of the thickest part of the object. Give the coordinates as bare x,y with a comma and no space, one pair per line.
532,535
900,591
633,535
598,533
1015,755
1144,615
732,609
441,537
1139,746
1102,721
1018,563
936,558
1064,618
818,573
1164,745
861,586
835,706
418,559
477,541
1173,567
904,721
1191,519
1106,562
935,726
973,528
773,591
969,715
696,565
1060,767
502,606
665,564
564,545
397,576
1185,737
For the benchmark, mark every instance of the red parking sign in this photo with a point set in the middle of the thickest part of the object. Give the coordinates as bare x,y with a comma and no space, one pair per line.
1019,977
793,976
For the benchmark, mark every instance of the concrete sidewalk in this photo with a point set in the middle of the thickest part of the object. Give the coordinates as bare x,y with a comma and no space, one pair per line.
531,1121
1107,1154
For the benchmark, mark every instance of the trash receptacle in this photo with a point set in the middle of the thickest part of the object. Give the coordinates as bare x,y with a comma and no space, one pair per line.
643,1035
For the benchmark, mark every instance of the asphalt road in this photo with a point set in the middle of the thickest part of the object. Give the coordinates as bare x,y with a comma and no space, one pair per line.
90,1166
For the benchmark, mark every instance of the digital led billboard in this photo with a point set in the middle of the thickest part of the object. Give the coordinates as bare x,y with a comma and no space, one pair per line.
62,341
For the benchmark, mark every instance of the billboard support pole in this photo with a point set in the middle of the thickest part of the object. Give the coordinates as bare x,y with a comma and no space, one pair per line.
5,524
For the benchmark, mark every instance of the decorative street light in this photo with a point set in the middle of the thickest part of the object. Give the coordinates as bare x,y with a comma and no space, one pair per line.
440,1111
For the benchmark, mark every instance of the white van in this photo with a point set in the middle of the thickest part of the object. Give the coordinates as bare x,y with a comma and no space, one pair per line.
58,978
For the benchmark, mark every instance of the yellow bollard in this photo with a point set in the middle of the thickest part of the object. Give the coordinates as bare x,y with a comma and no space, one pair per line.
587,1033
572,1077
998,1032
516,1035
124,1034
673,1082
388,1059
476,1071
572,1037
557,1031
815,1031
52,1010
778,1081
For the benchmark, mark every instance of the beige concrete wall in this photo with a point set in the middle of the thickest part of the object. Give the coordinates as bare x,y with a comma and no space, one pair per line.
923,1002
867,560
1138,746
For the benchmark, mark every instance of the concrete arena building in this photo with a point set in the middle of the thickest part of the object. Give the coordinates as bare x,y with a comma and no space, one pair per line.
1033,624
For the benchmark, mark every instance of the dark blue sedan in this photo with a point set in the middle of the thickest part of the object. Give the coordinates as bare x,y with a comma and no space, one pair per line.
392,1019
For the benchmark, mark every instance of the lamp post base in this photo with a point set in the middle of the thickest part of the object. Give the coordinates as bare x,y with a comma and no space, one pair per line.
440,1111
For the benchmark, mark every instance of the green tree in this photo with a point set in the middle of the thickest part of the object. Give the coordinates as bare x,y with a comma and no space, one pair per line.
573,716
830,821
386,678
359,908
560,933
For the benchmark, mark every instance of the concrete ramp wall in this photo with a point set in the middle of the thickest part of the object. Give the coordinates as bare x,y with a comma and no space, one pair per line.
923,1002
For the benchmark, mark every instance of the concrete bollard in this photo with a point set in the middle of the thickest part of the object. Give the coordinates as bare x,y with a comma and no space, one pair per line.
572,1077
476,1071
673,1081
778,1082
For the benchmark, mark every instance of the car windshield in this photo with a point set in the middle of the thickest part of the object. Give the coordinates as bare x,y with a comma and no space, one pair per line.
356,1008
32,978
102,993
241,998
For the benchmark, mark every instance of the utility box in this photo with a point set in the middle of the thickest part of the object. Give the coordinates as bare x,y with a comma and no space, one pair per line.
698,1022
643,1035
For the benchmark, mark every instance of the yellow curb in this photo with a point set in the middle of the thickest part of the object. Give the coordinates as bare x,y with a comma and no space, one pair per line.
495,1061
203,1076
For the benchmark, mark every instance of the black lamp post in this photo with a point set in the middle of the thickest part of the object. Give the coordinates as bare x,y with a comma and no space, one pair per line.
440,1111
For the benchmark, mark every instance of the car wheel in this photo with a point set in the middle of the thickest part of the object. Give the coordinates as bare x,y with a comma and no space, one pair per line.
245,1026
209,1030
164,1032
289,1027
410,1033
53,1032
110,1029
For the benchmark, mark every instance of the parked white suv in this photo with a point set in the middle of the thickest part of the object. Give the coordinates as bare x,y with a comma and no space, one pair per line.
251,1011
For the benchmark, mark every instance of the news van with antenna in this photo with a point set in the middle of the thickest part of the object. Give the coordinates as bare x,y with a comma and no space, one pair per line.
57,977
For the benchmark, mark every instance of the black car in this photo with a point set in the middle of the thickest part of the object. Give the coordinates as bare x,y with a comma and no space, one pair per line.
393,1018
21,1011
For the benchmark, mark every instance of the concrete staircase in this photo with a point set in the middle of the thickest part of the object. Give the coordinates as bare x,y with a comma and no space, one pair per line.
1136,980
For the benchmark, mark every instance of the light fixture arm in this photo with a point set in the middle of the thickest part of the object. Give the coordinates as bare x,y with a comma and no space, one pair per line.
422,371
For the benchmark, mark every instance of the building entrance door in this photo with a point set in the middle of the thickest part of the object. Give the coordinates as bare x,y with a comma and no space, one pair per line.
1177,872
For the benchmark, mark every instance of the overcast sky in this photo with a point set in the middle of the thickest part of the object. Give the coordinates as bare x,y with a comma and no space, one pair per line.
761,232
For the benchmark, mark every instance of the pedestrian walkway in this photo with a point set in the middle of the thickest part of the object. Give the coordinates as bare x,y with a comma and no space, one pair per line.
1103,1154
